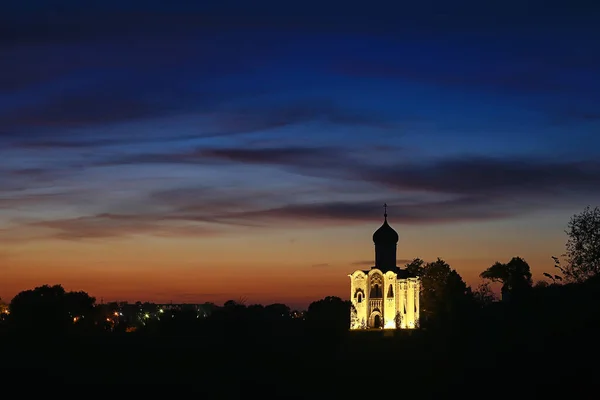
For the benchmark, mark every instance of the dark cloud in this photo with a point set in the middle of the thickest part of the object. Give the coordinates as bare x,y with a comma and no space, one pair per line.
321,162
462,209
473,177
459,189
510,177
294,156
462,189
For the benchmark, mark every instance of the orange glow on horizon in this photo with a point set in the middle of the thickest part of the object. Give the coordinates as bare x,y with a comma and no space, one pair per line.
294,267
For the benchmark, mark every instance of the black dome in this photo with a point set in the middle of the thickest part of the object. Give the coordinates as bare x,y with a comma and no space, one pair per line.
385,234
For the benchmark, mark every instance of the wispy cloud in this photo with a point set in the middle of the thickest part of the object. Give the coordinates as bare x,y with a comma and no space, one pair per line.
359,212
212,122
425,192
111,225
471,177
492,176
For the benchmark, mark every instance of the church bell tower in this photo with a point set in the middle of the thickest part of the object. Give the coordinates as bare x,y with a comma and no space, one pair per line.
386,241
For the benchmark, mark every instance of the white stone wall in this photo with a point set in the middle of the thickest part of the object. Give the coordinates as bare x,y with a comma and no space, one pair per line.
402,302
405,300
417,302
410,305
358,280
389,303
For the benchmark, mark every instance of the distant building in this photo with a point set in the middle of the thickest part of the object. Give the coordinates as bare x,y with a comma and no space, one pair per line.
385,296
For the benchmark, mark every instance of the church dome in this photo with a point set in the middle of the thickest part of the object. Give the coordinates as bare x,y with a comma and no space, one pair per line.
385,234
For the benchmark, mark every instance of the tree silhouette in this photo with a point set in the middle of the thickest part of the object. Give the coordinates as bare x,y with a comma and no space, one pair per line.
50,308
354,322
277,311
554,278
415,267
331,313
541,284
444,295
515,276
582,257
483,295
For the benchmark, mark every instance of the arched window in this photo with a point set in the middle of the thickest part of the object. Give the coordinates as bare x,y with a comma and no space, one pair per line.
376,291
359,295
390,292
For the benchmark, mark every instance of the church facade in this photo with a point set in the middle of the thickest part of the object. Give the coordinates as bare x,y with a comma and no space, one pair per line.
385,296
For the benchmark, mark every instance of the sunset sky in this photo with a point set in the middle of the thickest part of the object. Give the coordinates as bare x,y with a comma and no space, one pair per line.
224,151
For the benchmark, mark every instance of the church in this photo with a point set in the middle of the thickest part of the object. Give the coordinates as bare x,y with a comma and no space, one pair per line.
385,296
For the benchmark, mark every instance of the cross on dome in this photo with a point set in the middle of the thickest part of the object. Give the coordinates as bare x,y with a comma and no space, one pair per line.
385,234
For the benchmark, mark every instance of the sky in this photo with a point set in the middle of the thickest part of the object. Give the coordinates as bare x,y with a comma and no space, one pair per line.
194,151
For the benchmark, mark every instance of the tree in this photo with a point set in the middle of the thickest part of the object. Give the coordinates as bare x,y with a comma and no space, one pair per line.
51,308
398,320
541,284
415,267
554,278
484,296
354,322
444,294
331,313
515,276
582,257
277,311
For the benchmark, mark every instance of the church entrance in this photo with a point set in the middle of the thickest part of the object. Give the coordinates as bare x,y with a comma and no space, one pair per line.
377,322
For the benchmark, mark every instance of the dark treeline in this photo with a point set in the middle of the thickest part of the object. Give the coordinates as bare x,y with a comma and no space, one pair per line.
535,339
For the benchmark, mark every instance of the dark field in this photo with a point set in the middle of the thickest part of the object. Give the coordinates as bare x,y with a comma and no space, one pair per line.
296,362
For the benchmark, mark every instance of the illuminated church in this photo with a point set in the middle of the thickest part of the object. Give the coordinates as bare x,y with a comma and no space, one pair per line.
385,296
